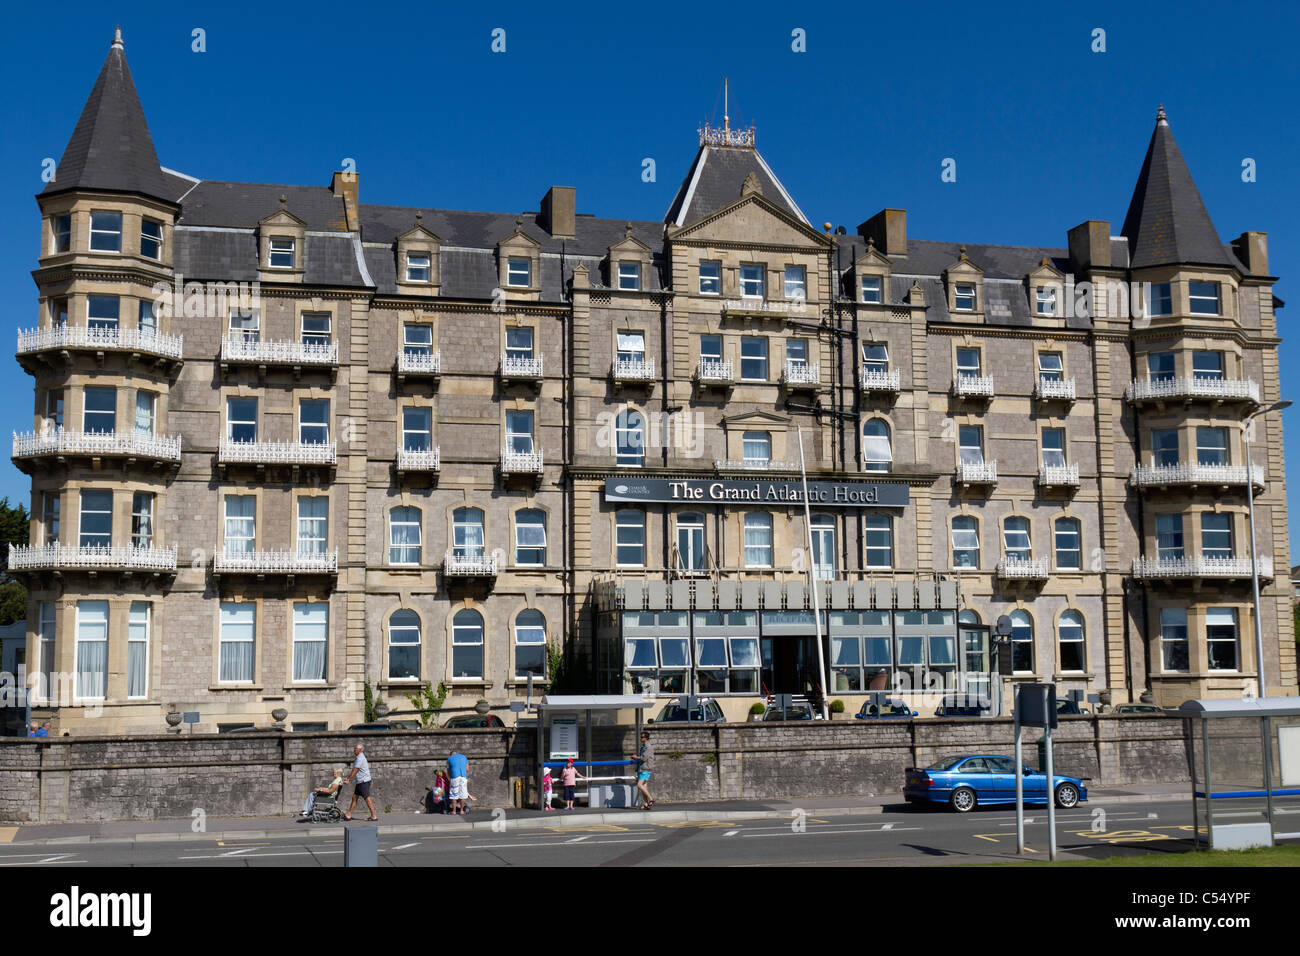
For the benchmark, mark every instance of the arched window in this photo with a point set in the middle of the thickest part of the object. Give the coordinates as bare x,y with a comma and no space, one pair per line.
530,538
690,541
1070,632
965,542
1022,642
1015,539
877,455
467,533
823,545
404,645
758,540
404,536
467,644
629,538
530,644
629,433
1069,547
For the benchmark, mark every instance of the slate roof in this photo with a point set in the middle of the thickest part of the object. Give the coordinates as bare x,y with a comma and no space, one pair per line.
715,179
243,205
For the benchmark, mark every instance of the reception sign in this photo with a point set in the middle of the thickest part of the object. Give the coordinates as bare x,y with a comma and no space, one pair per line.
832,494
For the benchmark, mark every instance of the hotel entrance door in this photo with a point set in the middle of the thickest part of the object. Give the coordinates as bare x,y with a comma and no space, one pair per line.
790,665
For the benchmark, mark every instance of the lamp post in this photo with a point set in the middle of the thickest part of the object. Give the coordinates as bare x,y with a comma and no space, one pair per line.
1254,553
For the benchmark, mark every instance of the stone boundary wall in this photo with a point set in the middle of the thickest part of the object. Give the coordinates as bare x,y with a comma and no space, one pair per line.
88,779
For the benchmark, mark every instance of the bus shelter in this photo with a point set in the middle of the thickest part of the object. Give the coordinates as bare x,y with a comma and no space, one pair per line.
593,730
1245,766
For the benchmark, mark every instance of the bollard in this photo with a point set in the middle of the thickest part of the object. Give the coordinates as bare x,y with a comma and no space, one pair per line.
361,846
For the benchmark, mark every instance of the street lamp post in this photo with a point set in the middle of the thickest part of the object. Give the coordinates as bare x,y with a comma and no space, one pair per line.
1254,553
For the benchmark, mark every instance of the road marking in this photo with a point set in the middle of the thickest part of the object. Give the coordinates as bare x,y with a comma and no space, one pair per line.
579,839
7,834
36,862
56,858
510,846
407,846
262,856
240,843
887,826
789,832
992,838
731,833
1153,816
247,849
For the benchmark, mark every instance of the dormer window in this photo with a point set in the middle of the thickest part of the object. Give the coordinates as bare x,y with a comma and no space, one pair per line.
151,239
871,289
751,281
964,297
629,276
282,253
106,231
1045,300
62,233
796,282
417,267
519,272
1203,298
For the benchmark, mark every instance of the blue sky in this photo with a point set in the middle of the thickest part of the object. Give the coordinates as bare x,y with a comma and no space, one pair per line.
1046,133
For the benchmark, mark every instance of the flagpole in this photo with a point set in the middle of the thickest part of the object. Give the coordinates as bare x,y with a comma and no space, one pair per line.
812,579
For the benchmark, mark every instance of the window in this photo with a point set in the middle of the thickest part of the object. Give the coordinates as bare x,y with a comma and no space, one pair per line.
142,519
467,533
106,231
757,448
823,546
753,358
1022,642
690,542
417,429
1160,366
758,540
530,644
282,253
1169,537
1070,633
631,346
241,419
629,435
629,276
1045,300
467,645
871,289
62,226
530,538
1164,446
519,343
137,650
311,624
968,363
316,330
965,542
710,348
146,404
96,518
1069,544
629,539
417,339
146,321
970,441
796,282
519,272
875,358
45,628
1221,638
103,311
519,431
1015,539
241,524
245,325
313,525
92,650
59,313
1216,535
100,412
796,352
404,645
879,541
710,278
751,281
51,504
1173,639
1203,298
417,267
1160,298
151,238
404,536
877,455
964,297
238,627
1207,365
1211,446
1053,447
1050,366
314,421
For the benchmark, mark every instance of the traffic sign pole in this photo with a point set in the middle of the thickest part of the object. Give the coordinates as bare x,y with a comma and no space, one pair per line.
1051,790
1020,780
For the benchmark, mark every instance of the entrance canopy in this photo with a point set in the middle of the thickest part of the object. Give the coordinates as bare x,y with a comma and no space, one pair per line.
595,702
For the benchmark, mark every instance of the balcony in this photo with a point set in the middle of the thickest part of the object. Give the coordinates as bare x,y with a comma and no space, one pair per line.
280,454
977,473
419,365
632,371
68,557
1199,568
714,373
60,445
33,344
1197,388
239,350
469,564
1058,476
521,462
876,380
1054,390
425,460
1022,569
972,387
1220,476
275,563
754,464
801,375
521,368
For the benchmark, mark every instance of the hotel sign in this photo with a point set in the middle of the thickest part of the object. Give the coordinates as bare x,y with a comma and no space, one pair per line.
833,494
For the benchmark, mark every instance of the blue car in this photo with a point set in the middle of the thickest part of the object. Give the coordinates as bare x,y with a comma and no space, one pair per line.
966,782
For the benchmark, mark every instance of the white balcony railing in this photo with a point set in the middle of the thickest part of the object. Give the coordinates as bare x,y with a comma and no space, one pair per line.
753,464
275,562
978,472
1022,569
633,370
801,373
714,372
469,565
521,462
117,444
1059,475
99,339
277,453
1214,389
516,366
237,348
972,386
1149,475
419,363
56,557
427,459
874,380
1054,389
1200,567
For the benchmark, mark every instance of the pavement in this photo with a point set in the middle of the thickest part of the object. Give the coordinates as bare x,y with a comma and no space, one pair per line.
482,818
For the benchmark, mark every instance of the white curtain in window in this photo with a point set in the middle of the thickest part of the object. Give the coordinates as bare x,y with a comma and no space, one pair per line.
137,650
310,640
238,622
92,648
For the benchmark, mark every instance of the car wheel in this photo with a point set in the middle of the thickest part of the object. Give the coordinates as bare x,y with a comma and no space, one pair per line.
1067,796
963,799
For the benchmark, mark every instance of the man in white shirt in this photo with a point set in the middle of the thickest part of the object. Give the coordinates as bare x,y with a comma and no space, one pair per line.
360,770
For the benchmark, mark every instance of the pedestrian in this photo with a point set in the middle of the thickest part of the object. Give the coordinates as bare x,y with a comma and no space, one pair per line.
326,790
569,777
645,761
458,770
45,730
361,771
548,789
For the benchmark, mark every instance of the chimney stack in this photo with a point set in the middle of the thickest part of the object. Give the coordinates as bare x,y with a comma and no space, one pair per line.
1252,249
888,230
559,217
348,186
1090,245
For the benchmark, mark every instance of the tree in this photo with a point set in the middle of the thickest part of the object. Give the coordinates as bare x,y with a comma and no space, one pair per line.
15,525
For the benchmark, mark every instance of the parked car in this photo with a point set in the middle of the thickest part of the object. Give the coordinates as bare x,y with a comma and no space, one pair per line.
699,710
966,782
1139,709
1069,708
388,725
473,721
960,706
799,710
891,708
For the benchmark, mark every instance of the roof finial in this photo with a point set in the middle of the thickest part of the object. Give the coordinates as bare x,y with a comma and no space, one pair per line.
627,230
117,38
283,199
871,243
962,254
1161,119
419,217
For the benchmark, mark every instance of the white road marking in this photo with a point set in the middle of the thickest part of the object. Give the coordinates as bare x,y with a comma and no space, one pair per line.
55,858
406,846
579,839
222,856
509,846
887,826
821,832
731,833
247,849
38,862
